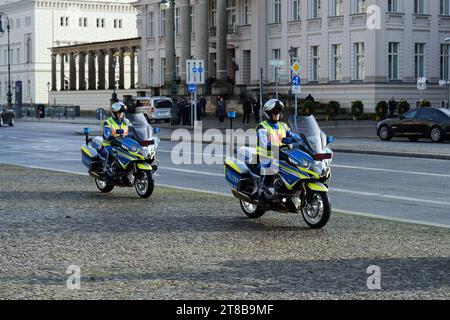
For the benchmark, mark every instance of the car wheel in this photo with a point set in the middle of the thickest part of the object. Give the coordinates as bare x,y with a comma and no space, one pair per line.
413,139
436,134
385,133
11,124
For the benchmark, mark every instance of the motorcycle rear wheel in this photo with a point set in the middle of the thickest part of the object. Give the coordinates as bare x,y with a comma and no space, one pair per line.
252,211
317,210
145,184
104,186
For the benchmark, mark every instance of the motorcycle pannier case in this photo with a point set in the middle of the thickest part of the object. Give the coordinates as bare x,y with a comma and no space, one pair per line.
235,170
89,156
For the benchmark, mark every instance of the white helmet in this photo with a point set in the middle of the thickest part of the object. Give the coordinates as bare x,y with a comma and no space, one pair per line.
273,106
118,107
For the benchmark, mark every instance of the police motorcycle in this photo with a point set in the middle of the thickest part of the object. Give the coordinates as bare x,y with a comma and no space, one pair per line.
301,183
133,160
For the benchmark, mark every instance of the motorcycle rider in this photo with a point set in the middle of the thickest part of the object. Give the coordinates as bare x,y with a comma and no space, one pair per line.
116,122
270,134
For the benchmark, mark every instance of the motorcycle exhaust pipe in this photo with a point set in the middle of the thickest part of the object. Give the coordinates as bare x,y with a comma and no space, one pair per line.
243,197
95,175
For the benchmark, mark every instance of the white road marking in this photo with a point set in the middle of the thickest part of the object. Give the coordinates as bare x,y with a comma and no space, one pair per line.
370,215
192,171
440,175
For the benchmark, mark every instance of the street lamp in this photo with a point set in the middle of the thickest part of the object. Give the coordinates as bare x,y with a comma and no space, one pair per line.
2,31
292,54
166,5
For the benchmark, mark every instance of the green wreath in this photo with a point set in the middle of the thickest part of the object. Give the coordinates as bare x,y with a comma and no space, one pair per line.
357,109
333,109
381,109
403,107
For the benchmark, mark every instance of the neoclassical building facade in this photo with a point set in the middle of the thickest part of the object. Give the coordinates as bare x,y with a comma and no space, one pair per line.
356,49
39,25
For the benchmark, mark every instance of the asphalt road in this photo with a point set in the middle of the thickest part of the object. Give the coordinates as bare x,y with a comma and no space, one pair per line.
397,188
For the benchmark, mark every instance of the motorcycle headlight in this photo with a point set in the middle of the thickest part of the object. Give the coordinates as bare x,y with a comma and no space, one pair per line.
145,152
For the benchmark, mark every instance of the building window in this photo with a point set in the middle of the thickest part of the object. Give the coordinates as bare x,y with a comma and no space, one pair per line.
419,60
315,9
419,6
393,5
18,23
177,67
177,20
276,11
163,70
445,7
151,25
231,15
315,63
445,62
295,10
163,24
191,16
393,60
359,61
29,48
359,6
213,4
64,21
151,72
117,23
337,62
18,56
276,55
337,8
247,12
27,21
100,23
83,22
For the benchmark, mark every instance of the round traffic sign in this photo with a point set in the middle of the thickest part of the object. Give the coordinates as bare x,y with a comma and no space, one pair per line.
194,70
296,81
200,70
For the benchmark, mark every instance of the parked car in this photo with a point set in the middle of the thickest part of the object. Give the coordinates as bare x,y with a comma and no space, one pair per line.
7,116
426,123
154,108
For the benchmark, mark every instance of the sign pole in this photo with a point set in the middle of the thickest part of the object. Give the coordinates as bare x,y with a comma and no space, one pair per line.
277,80
261,94
296,105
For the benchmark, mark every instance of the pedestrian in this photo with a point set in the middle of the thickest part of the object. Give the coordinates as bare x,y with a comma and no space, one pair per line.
221,109
185,111
310,98
202,106
392,106
256,108
247,106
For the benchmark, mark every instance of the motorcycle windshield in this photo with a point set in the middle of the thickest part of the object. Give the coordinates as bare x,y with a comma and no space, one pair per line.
309,130
142,130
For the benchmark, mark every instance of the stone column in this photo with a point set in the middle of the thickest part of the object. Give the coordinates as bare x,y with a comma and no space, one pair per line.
92,78
54,84
122,68
81,71
101,70
185,36
202,33
111,70
132,67
61,69
222,31
170,43
72,72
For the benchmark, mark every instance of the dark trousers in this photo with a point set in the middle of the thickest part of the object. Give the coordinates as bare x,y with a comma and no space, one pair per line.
221,119
246,117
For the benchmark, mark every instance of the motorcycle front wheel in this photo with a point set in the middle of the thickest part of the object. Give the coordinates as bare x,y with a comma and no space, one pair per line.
144,184
317,210
104,186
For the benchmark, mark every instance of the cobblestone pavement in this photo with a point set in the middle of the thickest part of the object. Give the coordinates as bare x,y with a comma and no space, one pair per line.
185,245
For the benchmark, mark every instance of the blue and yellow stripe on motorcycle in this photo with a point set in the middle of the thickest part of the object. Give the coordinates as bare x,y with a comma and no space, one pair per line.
144,167
317,186
86,151
233,165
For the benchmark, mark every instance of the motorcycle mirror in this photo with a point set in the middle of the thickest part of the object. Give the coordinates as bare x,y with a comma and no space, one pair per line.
156,130
87,130
330,139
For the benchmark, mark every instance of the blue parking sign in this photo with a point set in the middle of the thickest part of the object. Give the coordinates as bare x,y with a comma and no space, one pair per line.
192,87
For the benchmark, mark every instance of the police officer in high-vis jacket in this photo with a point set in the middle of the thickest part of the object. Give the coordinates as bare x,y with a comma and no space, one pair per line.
116,122
270,134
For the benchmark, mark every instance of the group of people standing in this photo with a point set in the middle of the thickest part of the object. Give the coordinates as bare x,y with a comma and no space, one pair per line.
185,109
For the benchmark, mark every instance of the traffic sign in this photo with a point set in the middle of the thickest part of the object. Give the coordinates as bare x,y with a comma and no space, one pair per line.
422,83
444,82
192,87
296,89
277,63
296,67
195,71
296,81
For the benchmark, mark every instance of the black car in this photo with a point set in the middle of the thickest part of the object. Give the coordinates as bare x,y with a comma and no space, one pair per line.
427,123
6,116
